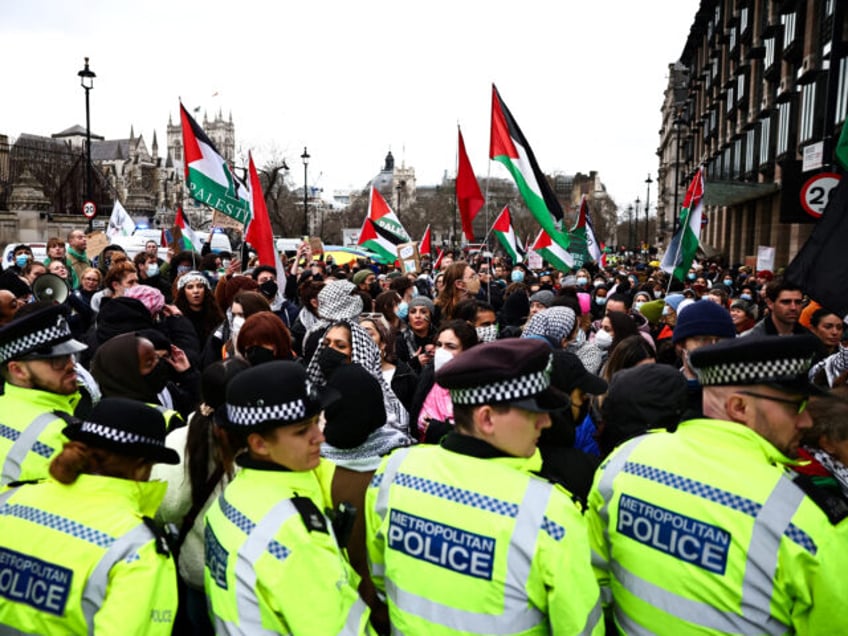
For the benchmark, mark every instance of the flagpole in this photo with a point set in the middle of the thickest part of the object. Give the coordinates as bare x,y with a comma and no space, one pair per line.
455,197
682,229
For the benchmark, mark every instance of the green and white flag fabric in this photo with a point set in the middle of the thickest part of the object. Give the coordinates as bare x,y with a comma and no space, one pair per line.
208,176
506,235
551,252
377,240
384,217
684,244
583,243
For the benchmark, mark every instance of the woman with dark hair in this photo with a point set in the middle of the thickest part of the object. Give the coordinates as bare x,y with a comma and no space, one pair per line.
460,282
629,352
387,303
264,338
615,327
79,546
414,345
206,466
308,315
193,297
829,328
397,374
434,416
824,449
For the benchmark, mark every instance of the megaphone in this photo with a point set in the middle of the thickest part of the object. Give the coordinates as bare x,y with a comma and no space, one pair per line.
50,288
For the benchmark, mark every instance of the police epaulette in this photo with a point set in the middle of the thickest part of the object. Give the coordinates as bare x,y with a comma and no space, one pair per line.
312,517
159,535
24,482
833,503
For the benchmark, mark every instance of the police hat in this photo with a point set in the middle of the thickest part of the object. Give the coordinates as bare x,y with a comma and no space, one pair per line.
270,395
43,333
778,361
514,371
124,426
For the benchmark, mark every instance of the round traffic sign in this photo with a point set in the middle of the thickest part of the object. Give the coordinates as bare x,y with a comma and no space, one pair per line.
816,192
89,209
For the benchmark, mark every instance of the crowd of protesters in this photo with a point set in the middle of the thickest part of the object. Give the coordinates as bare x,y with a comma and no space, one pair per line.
175,333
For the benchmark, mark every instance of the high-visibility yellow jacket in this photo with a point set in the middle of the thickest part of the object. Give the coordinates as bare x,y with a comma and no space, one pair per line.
79,559
30,434
703,531
273,565
465,544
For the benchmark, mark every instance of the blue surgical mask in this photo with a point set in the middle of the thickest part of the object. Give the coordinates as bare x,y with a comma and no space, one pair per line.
402,310
21,260
745,297
601,300
183,269
638,304
581,281
152,270
728,282
690,276
517,276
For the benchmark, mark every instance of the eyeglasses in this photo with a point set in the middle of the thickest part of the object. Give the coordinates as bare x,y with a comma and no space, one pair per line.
57,363
799,405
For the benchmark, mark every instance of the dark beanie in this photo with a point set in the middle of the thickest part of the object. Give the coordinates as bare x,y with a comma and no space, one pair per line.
703,318
359,412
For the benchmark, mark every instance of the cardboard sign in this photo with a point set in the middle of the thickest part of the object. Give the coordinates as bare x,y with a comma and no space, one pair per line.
222,220
95,242
410,260
765,258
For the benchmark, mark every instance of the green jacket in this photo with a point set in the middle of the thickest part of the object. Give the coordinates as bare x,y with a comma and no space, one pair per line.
702,530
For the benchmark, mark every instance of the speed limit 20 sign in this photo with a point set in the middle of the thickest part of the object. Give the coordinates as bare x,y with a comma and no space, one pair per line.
89,209
816,193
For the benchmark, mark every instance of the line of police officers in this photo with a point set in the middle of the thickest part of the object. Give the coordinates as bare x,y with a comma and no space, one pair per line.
697,531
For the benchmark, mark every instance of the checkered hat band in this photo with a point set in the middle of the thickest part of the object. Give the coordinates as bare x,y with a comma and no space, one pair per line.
254,415
117,435
32,341
753,372
504,391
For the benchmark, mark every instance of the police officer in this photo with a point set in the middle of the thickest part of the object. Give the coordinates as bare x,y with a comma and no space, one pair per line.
465,537
37,364
79,553
702,530
273,561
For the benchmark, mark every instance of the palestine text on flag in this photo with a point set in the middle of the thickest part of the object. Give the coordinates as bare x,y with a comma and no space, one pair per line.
509,147
469,199
506,235
208,176
820,267
681,250
583,242
376,239
382,216
553,253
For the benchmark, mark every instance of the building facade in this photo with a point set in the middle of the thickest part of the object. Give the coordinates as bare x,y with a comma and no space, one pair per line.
758,98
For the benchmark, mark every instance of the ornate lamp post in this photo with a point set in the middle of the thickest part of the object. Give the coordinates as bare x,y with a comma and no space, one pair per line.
647,206
87,76
305,158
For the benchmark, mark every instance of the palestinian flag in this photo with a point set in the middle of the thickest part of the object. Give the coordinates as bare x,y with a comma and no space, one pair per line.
377,240
681,250
553,253
382,216
208,175
582,241
506,235
509,147
184,236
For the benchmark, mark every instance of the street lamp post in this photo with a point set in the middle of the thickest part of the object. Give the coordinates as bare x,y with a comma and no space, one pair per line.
636,227
630,227
305,157
647,206
87,76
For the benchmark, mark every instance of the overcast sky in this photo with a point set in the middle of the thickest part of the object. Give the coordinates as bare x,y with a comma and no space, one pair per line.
353,79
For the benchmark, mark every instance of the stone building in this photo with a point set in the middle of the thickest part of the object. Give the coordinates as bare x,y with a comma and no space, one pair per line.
759,94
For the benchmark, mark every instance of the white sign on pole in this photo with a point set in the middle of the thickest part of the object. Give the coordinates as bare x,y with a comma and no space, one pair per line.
813,157
765,258
350,236
534,260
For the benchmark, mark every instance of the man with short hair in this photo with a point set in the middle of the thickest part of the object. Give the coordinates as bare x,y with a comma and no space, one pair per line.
703,530
37,364
76,255
9,306
784,301
506,550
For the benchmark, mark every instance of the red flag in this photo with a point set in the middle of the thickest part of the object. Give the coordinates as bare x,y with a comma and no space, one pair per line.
425,246
469,199
259,233
439,257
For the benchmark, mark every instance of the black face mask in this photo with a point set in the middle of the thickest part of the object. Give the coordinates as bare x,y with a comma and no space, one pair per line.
375,289
269,289
329,360
259,355
158,377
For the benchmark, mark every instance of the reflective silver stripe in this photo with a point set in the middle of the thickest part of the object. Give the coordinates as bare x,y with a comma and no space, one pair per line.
225,627
388,475
595,616
610,470
249,616
95,587
629,627
761,566
354,618
27,439
4,497
517,615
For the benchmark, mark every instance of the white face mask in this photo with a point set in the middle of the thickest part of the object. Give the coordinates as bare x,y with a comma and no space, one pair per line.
489,333
238,321
603,339
441,356
657,294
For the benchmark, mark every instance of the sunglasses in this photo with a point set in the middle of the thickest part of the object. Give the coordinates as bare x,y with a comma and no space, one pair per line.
798,405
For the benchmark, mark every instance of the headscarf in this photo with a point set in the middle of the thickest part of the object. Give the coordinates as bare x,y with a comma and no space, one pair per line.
115,367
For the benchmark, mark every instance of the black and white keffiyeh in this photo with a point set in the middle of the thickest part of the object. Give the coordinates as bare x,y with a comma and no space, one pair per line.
833,466
555,323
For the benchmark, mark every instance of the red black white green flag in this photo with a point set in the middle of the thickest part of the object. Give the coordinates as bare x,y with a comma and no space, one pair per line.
560,258
583,243
505,233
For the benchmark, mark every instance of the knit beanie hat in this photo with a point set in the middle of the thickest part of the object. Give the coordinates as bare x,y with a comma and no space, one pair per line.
360,276
149,296
423,301
543,296
674,300
348,427
703,318
652,310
